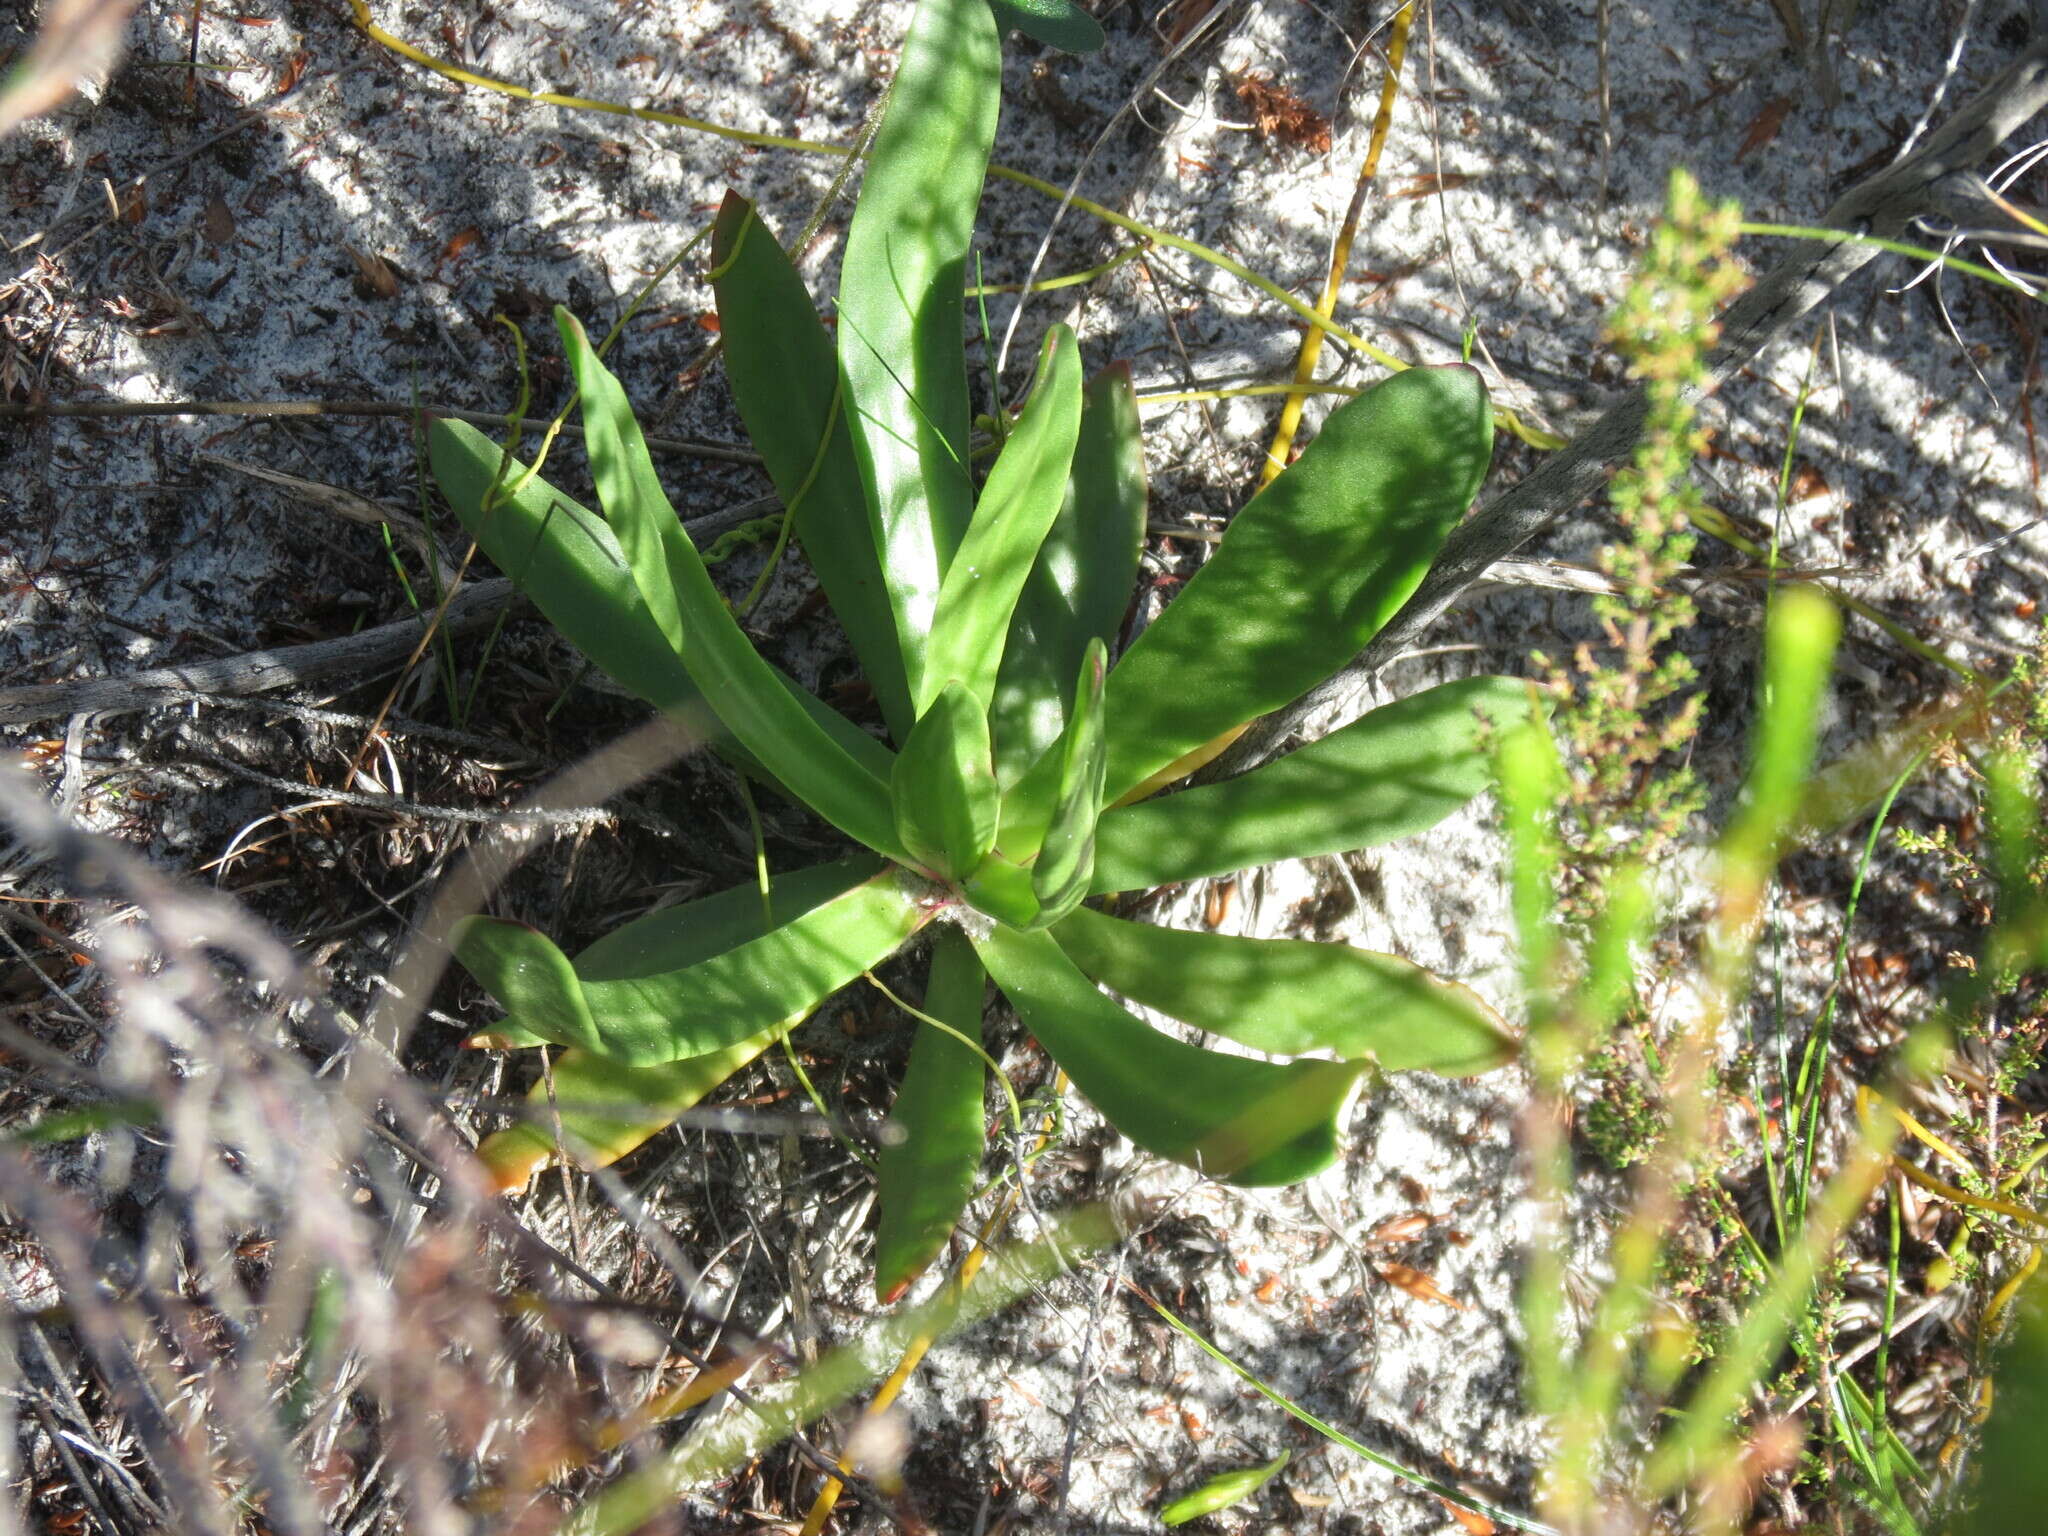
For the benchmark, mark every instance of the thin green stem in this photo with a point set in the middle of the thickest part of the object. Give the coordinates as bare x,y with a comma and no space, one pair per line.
1009,1089
1422,1480
1792,451
1896,247
1882,1370
789,512
1049,284
1807,1095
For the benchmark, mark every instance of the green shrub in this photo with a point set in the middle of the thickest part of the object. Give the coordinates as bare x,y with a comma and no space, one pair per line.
982,618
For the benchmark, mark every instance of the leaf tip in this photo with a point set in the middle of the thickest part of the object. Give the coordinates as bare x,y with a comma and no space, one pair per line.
570,329
733,213
512,1157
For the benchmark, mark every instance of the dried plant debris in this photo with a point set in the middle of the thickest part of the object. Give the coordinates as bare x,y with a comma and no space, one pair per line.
1278,113
250,1259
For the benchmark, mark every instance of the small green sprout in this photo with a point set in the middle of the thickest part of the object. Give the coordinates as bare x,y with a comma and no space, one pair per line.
1222,1491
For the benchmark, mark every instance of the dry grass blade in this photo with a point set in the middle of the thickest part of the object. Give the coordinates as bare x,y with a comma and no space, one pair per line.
80,40
346,504
273,1263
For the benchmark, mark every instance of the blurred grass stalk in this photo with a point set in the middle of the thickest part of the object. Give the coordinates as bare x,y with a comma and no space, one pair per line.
1581,1390
727,1444
1702,1449
80,40
1629,1365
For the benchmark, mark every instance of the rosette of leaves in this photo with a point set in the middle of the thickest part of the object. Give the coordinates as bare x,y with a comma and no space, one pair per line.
1012,797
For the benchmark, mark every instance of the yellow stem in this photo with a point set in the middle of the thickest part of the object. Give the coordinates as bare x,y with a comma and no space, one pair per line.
1867,1103
1340,254
2011,1288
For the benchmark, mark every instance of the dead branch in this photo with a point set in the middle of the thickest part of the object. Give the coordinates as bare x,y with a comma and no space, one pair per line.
353,657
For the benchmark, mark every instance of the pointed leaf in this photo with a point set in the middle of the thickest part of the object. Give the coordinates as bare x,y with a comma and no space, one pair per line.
1024,493
944,787
737,683
1066,856
1221,1491
934,1138
1392,772
901,319
1056,23
635,1007
567,560
1251,1122
563,557
673,937
784,373
1080,586
1290,996
1309,571
606,1109
678,935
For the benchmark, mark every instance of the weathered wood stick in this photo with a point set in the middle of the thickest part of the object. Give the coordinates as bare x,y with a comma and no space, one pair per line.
353,657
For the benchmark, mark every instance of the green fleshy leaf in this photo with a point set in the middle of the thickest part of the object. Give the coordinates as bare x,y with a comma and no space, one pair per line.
567,560
933,1141
1002,890
1066,855
1251,1122
738,684
781,363
605,1109
1080,585
1290,996
1390,773
1309,571
901,295
1023,495
635,1003
562,556
679,935
944,786
1055,23
1222,1491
